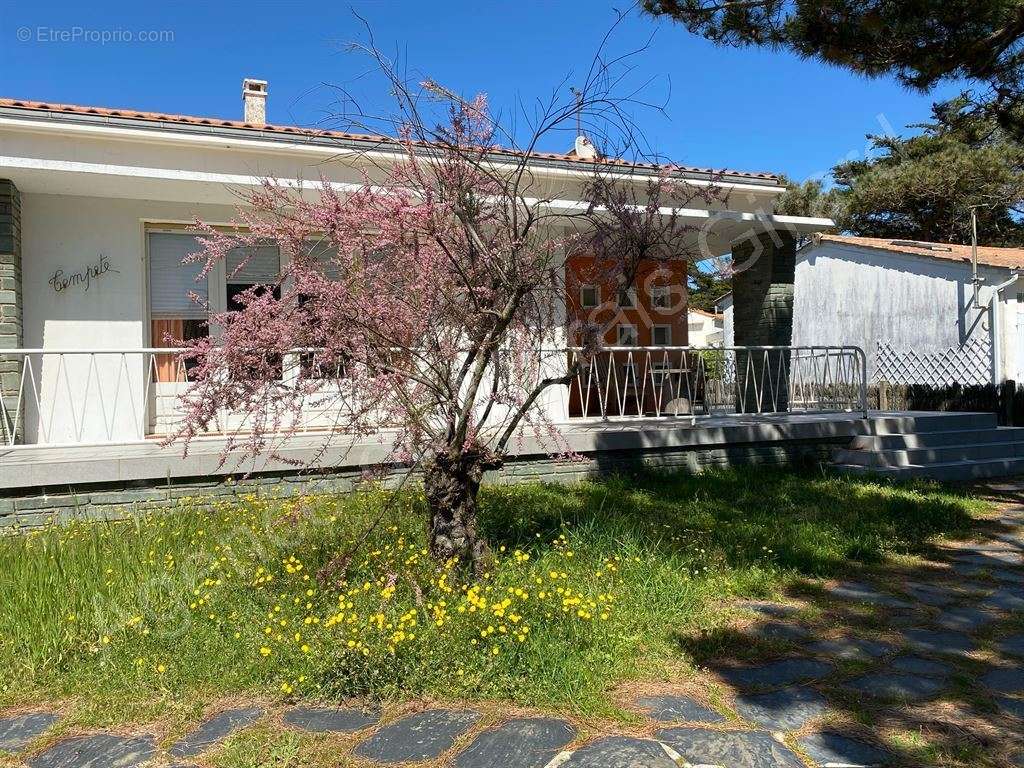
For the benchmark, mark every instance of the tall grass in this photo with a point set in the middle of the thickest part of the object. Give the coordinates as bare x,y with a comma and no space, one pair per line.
589,586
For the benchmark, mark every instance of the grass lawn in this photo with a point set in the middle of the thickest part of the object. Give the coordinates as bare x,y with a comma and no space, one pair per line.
594,588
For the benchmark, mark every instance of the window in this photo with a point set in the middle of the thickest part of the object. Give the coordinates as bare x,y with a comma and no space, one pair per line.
312,365
590,296
247,268
627,297
174,315
661,297
661,336
695,325
254,269
626,336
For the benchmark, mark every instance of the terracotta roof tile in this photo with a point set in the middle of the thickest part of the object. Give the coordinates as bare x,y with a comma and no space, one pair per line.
160,117
1010,258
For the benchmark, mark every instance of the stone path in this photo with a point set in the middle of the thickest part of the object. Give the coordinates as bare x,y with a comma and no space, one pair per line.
949,636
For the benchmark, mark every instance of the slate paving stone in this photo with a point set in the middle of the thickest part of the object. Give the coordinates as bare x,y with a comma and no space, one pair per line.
905,687
421,736
620,752
525,743
16,732
1005,599
678,709
103,750
865,593
214,731
915,665
778,631
1002,548
788,709
939,641
829,749
1008,575
932,594
1012,540
766,608
989,559
729,749
1004,680
1014,707
1013,646
967,618
330,719
967,569
776,673
851,649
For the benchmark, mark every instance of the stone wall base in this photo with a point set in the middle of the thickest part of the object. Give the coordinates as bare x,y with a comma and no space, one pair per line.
32,507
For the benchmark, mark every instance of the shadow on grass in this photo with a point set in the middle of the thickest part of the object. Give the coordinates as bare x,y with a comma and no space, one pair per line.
806,522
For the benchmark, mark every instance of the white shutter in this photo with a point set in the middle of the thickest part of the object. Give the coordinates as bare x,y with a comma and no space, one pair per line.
170,281
263,266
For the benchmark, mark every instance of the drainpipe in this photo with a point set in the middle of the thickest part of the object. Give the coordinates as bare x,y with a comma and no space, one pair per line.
997,329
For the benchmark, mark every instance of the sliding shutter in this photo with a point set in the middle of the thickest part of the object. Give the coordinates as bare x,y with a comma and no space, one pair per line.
171,282
262,265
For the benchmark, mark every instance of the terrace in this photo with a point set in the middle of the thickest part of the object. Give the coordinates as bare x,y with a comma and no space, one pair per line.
102,416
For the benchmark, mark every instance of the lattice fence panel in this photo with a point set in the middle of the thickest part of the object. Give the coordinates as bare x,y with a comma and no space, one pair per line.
968,364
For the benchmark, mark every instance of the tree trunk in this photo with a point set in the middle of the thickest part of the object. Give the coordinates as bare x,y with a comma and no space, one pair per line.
451,484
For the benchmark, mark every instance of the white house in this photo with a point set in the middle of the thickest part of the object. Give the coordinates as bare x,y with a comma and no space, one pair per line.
95,210
705,329
911,307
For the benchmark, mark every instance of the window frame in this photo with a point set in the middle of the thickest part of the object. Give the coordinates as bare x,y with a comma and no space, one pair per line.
659,293
216,279
618,335
597,296
668,335
630,292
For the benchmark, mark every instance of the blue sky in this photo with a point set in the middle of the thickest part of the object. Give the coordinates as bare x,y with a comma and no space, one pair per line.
742,109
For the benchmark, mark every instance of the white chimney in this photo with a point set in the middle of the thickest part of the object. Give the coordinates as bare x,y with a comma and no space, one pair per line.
585,149
254,97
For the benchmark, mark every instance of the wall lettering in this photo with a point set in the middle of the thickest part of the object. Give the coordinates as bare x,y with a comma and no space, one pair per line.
60,280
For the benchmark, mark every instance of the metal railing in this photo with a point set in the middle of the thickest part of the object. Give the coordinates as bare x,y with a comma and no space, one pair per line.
636,382
84,396
90,396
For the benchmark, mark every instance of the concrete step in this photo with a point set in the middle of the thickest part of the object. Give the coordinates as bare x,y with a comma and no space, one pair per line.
895,424
934,439
945,471
938,455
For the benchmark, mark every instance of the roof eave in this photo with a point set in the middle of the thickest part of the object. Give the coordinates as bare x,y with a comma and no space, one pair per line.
283,136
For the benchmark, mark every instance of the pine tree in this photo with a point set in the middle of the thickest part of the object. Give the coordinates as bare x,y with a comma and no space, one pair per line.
923,187
920,42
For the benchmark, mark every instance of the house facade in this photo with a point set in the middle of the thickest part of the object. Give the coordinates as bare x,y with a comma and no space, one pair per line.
96,211
911,307
705,329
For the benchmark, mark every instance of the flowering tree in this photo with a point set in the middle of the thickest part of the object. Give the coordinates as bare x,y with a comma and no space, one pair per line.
417,305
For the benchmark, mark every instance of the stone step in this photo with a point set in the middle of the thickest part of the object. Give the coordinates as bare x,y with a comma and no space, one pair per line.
940,455
945,471
937,439
897,423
